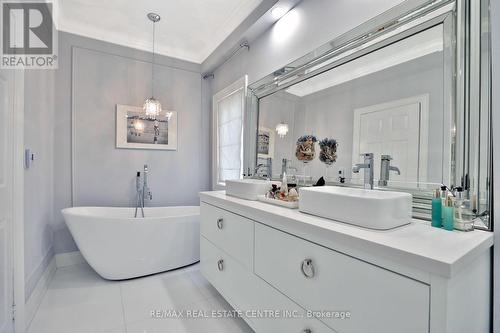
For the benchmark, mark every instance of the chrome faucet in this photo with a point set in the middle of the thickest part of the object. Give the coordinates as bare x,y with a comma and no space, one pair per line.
145,187
268,166
385,168
368,166
142,190
139,203
285,167
256,172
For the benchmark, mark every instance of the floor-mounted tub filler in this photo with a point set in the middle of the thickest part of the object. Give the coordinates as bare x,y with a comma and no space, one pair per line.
119,246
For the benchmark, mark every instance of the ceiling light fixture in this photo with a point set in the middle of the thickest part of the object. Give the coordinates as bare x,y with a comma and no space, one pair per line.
278,12
152,107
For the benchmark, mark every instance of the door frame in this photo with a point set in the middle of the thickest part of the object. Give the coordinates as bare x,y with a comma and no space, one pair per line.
18,203
423,151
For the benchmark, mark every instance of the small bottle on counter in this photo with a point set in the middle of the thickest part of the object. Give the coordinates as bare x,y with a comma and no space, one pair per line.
464,217
437,208
449,214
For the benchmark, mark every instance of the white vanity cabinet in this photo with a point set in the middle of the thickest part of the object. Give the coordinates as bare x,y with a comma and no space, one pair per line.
261,257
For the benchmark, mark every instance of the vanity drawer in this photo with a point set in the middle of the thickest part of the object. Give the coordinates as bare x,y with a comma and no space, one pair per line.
227,275
249,293
271,299
321,279
230,232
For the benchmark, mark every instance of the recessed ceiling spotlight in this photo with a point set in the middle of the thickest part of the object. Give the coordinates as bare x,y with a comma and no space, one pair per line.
278,12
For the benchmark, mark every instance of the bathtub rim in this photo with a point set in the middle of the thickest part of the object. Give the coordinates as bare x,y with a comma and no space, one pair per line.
74,211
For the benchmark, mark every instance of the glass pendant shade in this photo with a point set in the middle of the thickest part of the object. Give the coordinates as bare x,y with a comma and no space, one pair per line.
152,108
282,130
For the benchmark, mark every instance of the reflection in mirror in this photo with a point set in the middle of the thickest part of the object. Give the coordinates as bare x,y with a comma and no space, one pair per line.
391,102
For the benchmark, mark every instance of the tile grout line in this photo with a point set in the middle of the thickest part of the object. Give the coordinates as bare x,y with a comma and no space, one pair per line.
123,308
209,298
185,274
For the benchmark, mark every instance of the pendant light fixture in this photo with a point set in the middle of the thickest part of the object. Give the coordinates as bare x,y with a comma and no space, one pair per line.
282,129
152,107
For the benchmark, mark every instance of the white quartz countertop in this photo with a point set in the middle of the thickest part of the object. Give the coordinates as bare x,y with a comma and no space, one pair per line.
417,245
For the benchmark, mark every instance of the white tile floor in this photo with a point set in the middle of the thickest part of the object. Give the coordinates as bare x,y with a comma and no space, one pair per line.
79,301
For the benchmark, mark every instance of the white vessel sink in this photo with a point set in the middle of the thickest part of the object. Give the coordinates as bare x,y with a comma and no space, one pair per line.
248,189
380,210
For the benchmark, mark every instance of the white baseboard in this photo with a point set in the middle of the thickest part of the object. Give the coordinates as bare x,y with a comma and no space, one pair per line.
69,259
37,295
58,261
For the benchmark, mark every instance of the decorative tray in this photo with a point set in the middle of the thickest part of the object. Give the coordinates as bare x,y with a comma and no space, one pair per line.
277,202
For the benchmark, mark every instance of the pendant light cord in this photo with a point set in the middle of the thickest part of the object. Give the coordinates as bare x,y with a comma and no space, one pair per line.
153,64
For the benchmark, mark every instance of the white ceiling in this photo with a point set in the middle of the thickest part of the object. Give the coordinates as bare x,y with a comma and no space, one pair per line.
188,30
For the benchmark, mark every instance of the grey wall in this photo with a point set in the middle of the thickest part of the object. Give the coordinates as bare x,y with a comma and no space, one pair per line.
330,112
495,28
309,25
95,76
38,181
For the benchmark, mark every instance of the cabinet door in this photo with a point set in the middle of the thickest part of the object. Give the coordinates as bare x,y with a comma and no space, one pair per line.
319,279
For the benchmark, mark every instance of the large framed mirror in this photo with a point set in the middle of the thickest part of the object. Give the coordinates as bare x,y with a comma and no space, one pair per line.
410,87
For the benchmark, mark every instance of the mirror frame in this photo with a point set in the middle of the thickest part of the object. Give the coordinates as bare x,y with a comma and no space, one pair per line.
467,95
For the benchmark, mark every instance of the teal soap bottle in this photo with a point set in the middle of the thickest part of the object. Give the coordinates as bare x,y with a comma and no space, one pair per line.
449,214
437,208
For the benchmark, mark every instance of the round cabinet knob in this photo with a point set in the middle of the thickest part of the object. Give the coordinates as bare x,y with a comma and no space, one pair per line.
220,265
306,331
220,223
307,268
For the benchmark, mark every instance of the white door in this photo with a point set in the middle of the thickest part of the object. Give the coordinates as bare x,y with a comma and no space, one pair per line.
6,193
398,129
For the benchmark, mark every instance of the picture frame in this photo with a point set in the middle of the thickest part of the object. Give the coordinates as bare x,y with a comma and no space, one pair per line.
135,131
265,143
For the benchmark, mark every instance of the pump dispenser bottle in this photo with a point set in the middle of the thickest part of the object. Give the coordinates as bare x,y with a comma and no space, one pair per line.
464,217
449,214
437,208
444,195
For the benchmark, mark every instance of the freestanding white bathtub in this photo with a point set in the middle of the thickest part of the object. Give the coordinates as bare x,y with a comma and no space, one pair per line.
119,246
